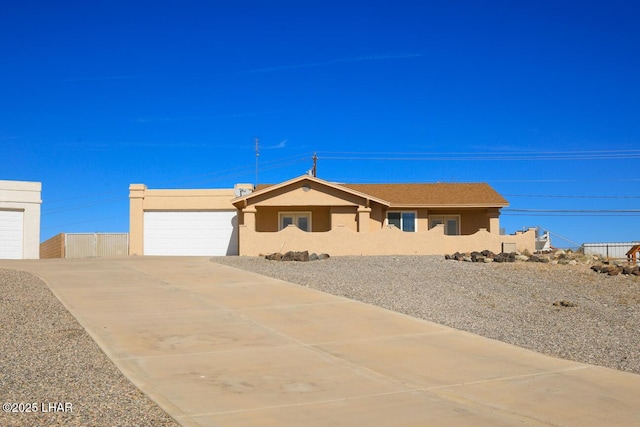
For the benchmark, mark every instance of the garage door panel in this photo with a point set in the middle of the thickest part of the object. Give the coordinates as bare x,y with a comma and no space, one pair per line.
201,233
11,234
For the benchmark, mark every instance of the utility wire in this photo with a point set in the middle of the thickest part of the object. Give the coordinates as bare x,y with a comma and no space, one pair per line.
478,153
476,156
483,158
572,215
211,177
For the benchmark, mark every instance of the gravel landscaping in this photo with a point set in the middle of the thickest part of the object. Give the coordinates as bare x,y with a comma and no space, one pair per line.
50,365
566,311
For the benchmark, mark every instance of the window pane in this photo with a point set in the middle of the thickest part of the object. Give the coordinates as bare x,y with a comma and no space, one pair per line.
452,227
393,218
408,221
303,223
436,221
286,221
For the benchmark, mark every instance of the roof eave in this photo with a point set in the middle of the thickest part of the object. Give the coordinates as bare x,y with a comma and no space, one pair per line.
458,205
239,200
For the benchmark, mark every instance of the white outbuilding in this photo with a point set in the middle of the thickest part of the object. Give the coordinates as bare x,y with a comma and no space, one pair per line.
20,219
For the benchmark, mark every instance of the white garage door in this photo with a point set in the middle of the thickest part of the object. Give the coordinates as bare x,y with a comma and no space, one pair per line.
11,234
190,233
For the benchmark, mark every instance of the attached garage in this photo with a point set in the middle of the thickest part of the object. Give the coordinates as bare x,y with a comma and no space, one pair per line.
20,219
199,233
11,234
182,222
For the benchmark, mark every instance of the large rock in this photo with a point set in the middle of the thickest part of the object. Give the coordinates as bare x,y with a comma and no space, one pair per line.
477,257
487,253
614,271
296,256
291,256
505,257
538,258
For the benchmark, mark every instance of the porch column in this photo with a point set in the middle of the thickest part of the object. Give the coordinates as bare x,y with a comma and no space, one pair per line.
364,215
136,219
494,221
249,214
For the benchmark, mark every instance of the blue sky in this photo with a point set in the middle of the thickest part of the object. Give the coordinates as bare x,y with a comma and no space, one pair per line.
539,99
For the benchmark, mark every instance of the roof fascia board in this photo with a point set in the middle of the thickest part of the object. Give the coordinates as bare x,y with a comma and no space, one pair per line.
450,206
460,205
367,197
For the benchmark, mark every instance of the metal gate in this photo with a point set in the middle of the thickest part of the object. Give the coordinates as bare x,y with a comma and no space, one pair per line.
85,245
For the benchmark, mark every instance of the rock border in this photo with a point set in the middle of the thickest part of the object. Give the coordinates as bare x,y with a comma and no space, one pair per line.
298,256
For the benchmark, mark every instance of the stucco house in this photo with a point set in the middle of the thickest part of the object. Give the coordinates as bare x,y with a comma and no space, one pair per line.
308,213
20,203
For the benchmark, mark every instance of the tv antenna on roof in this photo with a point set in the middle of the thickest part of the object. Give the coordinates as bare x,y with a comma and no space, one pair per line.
314,171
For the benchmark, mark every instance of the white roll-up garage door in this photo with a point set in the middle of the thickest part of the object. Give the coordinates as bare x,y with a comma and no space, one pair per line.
199,233
11,234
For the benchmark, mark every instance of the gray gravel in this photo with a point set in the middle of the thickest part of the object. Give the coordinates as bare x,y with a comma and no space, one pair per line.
510,302
46,356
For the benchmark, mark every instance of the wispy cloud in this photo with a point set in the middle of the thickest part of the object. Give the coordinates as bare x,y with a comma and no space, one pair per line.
336,61
201,117
281,144
99,78
100,146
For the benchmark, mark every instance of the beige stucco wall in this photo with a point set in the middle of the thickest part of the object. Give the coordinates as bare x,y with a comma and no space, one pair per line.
471,219
388,241
142,199
25,196
307,194
339,222
268,217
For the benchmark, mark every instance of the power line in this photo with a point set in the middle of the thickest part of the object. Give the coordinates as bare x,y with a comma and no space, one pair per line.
483,158
560,180
572,215
476,156
476,153
79,206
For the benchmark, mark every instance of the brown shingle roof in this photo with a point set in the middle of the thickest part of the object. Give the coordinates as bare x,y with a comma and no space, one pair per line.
444,194
427,195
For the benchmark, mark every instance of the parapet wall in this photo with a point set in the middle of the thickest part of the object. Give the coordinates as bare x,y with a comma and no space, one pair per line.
389,241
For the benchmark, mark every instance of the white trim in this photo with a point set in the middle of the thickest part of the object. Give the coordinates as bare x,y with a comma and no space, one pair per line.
444,220
415,219
295,214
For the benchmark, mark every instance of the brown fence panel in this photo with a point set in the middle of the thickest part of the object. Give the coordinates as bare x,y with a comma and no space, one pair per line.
53,248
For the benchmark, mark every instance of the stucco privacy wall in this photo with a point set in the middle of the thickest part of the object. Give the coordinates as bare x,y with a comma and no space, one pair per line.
25,197
142,199
388,241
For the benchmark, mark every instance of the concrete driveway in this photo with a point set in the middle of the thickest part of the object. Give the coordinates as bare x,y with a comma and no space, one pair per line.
218,346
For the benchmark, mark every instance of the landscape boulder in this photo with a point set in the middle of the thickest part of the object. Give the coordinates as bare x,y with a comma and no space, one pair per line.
538,258
299,256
